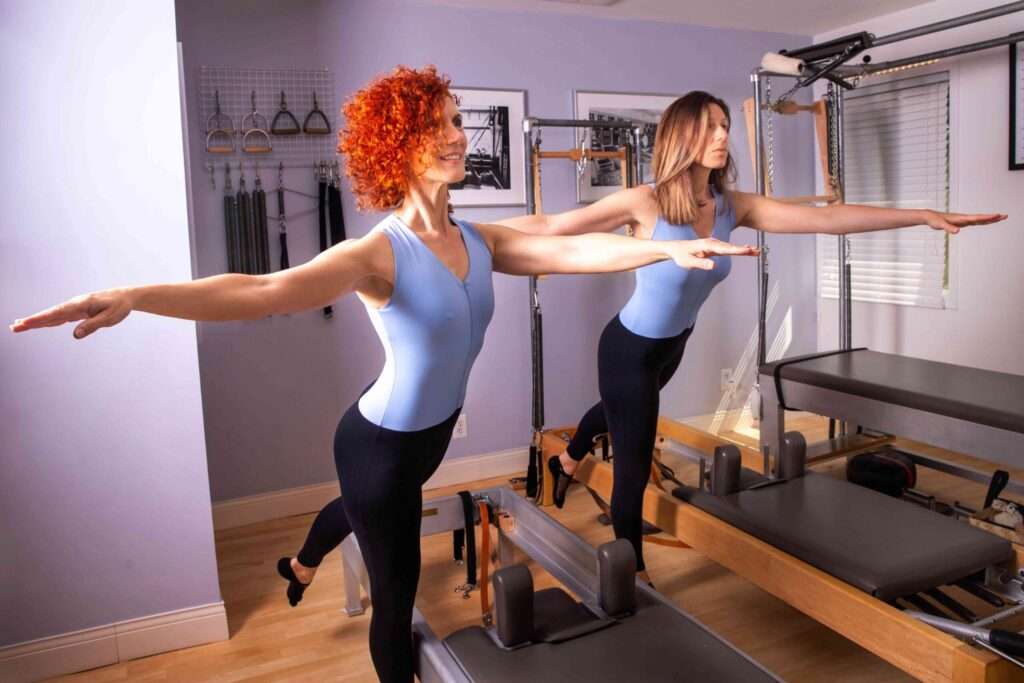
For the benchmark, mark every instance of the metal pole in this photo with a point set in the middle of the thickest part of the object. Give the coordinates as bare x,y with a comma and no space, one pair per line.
578,123
762,267
638,155
536,418
866,69
966,19
762,260
845,281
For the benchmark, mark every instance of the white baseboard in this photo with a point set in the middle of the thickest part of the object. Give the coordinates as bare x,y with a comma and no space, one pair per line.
305,499
273,505
113,643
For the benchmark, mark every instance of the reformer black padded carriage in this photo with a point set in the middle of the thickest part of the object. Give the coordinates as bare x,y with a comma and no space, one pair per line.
549,637
884,546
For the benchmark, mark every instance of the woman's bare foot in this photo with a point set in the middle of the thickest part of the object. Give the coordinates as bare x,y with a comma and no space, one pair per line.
298,577
303,573
568,464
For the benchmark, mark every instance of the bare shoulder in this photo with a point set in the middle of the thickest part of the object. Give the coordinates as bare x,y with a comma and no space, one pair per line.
645,210
741,203
493,234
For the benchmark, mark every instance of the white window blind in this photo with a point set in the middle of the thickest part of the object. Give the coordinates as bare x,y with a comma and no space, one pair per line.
897,155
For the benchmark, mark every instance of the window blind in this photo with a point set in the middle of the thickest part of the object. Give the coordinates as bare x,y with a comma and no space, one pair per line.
897,155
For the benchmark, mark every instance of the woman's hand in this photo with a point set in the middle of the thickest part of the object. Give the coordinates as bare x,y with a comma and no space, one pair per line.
696,253
952,222
99,309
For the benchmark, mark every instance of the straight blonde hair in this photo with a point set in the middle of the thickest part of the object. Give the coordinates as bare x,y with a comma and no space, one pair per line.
680,141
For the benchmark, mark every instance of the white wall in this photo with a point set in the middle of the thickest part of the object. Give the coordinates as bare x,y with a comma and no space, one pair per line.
983,329
104,498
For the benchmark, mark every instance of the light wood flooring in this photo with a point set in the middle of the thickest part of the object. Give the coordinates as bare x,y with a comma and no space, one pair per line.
315,641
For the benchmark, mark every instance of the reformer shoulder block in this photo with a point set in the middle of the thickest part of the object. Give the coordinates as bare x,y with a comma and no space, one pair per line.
725,470
513,603
616,574
793,458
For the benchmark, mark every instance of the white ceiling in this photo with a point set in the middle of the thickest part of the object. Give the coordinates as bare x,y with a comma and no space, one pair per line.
802,17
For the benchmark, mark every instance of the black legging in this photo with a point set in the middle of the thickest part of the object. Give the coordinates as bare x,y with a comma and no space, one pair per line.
631,370
382,472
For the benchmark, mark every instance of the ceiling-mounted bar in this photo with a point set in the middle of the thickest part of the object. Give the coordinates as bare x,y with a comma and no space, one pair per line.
947,24
867,69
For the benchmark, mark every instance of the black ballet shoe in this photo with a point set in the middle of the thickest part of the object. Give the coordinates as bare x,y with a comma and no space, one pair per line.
561,482
295,587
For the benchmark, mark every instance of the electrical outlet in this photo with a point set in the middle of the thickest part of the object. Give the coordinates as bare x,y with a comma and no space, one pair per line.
726,379
460,427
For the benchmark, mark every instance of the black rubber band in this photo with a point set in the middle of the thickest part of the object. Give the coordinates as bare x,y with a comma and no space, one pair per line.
469,511
777,371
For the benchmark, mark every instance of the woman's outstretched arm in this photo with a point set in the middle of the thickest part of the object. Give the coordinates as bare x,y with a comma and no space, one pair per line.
771,215
518,253
333,273
623,208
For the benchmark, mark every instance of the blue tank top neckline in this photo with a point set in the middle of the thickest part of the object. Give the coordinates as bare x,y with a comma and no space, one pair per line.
432,330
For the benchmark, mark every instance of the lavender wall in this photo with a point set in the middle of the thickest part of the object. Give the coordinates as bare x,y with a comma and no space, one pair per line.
273,389
104,500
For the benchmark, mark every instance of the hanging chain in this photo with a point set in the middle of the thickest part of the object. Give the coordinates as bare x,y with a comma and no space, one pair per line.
770,136
833,140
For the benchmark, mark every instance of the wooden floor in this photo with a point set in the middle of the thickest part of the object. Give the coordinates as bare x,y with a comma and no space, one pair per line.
315,641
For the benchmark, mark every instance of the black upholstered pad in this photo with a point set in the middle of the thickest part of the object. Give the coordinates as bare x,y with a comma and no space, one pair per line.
990,398
882,545
655,645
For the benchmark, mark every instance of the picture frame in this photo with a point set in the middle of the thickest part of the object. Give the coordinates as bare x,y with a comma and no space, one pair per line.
1017,106
601,178
495,159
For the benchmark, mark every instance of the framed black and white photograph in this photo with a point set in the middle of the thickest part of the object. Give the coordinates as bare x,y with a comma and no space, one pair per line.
1017,106
604,176
493,121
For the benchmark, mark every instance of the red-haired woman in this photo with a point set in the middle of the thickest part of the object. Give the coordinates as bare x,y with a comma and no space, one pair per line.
425,280
642,346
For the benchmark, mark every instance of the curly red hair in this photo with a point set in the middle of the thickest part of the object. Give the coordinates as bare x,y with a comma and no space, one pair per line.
388,123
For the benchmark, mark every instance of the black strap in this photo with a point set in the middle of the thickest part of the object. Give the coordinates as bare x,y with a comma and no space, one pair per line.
777,371
321,206
284,236
469,532
458,541
336,215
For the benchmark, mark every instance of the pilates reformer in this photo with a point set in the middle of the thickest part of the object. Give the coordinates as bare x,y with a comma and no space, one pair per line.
858,561
616,629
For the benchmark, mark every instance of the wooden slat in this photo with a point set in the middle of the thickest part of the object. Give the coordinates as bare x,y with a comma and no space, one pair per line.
918,649
705,442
